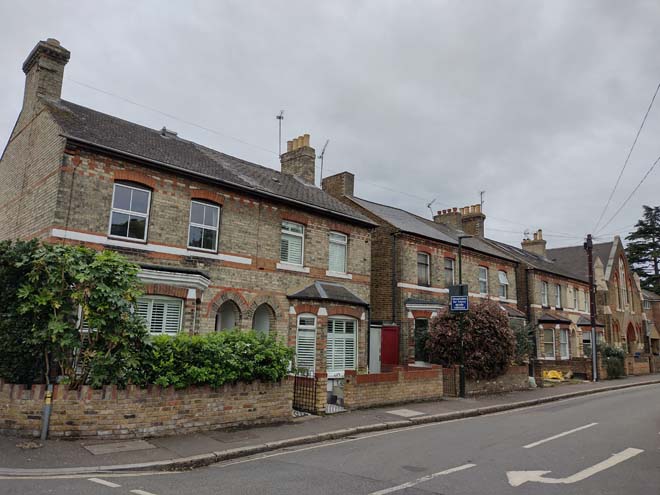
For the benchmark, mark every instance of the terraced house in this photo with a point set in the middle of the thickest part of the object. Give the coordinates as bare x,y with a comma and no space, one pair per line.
415,261
555,301
221,242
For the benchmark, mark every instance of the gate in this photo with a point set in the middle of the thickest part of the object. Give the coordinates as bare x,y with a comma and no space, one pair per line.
304,393
449,381
389,348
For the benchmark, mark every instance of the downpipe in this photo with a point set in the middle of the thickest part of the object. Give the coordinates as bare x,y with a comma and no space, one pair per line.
45,414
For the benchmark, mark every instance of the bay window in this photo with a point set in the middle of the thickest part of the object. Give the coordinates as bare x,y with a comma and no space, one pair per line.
161,314
341,352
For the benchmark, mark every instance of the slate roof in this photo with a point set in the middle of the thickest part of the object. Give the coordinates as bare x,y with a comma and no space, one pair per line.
574,258
554,317
328,291
651,296
585,321
512,311
414,224
89,126
538,262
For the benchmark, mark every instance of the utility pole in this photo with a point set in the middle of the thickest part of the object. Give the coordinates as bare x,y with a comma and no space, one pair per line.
589,247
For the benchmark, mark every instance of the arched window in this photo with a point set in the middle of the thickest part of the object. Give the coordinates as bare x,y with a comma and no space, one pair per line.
263,317
228,317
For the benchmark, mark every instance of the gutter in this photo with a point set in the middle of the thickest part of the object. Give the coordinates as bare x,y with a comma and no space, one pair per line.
240,187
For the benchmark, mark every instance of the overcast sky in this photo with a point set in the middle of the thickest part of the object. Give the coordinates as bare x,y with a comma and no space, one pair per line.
537,103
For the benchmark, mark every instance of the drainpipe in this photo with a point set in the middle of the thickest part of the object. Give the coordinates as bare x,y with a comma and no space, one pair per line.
45,415
394,277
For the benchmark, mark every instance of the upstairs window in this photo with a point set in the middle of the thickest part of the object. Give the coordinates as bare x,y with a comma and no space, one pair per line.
203,229
575,298
292,243
483,280
504,284
449,272
647,304
161,314
557,296
130,212
338,244
423,269
544,294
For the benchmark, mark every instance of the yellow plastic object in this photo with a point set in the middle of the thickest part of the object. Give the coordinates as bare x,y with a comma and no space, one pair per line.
553,375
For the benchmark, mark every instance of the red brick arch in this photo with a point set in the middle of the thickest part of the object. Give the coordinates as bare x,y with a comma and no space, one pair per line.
133,176
208,196
345,310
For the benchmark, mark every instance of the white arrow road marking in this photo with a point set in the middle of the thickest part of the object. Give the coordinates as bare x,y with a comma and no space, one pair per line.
530,445
104,483
422,479
141,492
517,478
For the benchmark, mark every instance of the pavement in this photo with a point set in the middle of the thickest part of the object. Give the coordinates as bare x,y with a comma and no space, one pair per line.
606,443
60,457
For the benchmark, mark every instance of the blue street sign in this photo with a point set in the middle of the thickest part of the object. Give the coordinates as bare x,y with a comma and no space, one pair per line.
459,303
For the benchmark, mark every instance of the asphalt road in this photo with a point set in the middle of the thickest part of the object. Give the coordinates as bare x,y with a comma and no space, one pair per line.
603,444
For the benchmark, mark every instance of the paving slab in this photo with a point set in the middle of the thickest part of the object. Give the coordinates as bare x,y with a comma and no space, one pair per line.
117,447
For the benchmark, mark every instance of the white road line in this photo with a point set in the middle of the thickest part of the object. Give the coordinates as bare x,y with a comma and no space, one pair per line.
141,492
422,479
530,445
104,483
81,476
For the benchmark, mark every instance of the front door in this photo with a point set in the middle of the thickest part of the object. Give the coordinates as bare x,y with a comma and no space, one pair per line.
389,347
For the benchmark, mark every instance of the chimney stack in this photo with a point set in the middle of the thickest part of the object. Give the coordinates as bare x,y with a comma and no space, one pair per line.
469,219
338,185
299,159
536,245
44,72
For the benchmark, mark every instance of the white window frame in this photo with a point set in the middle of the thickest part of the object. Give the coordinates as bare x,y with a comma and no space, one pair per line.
483,270
575,298
204,226
168,301
296,234
428,269
453,270
646,304
563,332
558,296
306,328
129,212
545,297
344,244
501,274
340,373
554,344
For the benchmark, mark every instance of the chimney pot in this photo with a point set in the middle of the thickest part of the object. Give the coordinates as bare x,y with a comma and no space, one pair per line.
541,235
305,140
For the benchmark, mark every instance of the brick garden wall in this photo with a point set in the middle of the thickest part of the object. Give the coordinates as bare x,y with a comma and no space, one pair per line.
401,385
135,413
515,378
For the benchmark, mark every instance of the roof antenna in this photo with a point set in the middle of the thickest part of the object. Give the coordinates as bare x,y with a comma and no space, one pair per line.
526,235
481,199
428,205
320,157
280,118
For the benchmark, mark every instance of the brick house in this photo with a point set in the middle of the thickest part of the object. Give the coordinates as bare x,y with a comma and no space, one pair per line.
651,308
618,295
221,242
555,301
414,261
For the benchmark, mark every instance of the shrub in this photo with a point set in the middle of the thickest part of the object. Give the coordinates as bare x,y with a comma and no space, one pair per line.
613,358
214,359
524,345
488,340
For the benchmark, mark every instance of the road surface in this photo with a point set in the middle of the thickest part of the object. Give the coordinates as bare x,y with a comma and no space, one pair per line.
602,444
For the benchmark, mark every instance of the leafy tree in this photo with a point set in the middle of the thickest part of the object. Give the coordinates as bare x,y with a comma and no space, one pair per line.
644,249
22,356
489,342
75,311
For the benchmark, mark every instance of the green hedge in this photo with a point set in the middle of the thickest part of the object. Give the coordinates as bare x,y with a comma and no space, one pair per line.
214,359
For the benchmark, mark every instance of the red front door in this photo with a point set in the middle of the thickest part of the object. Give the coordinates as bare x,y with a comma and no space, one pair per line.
389,347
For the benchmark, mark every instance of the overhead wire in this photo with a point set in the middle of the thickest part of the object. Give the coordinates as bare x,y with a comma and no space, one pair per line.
625,163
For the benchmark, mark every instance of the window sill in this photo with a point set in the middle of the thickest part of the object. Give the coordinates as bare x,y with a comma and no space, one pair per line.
292,268
127,239
202,250
346,276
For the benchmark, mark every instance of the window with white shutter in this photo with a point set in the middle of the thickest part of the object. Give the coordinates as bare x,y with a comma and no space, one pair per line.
338,244
341,352
306,343
292,243
504,284
563,344
161,314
